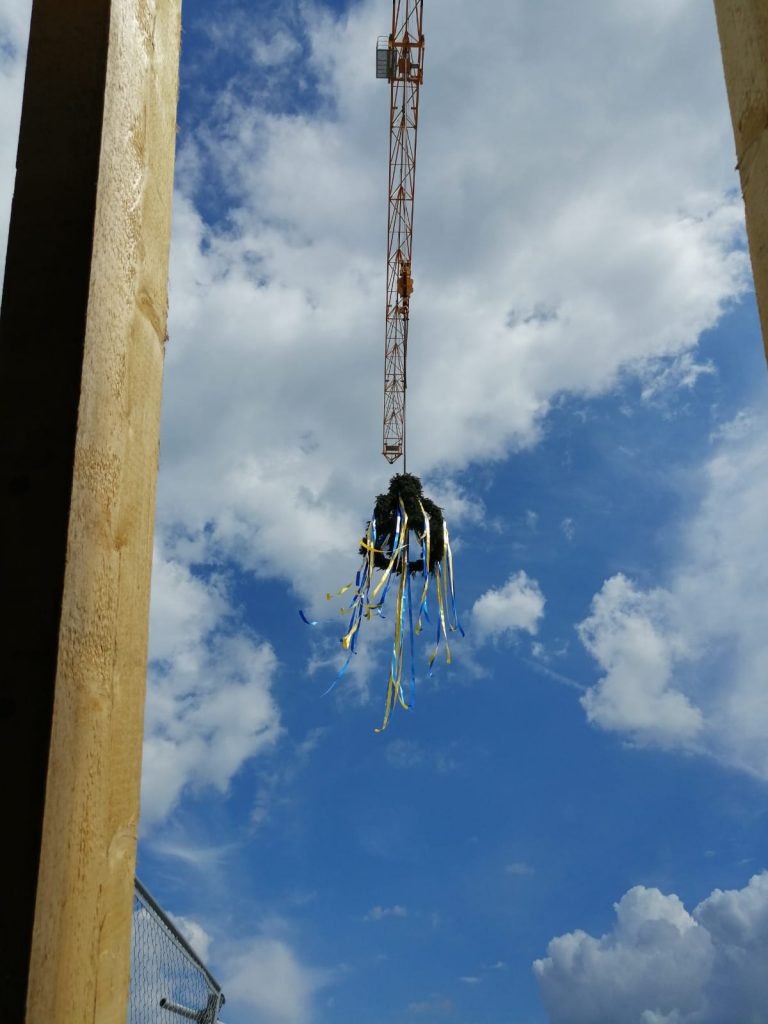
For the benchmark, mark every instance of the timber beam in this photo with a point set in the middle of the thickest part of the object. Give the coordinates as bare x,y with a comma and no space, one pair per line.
82,333
743,29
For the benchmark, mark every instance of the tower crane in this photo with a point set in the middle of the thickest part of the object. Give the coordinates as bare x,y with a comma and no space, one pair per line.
400,59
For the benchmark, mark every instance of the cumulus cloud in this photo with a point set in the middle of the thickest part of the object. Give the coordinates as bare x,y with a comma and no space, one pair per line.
663,965
518,605
684,664
195,934
628,634
266,979
209,702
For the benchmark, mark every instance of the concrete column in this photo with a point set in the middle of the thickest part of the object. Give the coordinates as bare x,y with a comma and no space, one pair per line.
82,333
743,29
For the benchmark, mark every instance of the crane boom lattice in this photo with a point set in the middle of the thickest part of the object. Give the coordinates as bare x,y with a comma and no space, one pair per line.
400,59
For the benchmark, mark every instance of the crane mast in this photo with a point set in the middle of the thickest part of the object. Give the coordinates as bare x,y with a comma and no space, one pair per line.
400,59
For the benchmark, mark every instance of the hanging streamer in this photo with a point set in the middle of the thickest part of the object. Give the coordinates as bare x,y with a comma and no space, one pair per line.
401,517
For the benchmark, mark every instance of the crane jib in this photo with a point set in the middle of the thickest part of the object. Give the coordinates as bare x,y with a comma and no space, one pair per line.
400,59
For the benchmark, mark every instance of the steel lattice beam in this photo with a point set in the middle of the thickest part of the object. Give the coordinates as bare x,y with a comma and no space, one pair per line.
405,71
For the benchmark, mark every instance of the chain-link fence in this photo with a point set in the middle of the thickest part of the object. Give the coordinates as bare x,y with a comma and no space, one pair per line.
169,981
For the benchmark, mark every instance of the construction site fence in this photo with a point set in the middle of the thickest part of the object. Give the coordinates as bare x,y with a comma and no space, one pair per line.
170,984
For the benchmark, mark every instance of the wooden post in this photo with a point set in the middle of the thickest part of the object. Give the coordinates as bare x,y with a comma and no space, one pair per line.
82,334
743,29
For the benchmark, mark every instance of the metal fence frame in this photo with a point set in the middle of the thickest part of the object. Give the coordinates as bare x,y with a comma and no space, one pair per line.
168,1010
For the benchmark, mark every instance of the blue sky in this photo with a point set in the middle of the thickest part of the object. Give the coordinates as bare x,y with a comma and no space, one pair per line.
585,788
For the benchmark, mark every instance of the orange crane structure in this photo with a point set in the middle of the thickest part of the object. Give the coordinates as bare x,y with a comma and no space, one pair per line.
400,59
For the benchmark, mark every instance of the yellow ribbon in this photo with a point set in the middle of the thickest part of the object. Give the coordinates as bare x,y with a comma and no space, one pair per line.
396,552
442,621
394,686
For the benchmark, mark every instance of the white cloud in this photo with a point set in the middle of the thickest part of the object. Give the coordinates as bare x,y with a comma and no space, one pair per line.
184,610
380,913
276,49
195,934
459,506
628,635
681,372
518,605
178,845
662,965
209,702
685,664
265,978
